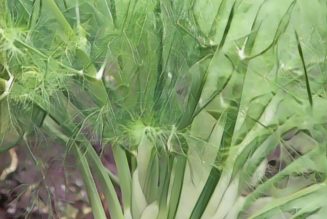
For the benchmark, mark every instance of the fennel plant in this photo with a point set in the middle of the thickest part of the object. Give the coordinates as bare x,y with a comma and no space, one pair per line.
213,108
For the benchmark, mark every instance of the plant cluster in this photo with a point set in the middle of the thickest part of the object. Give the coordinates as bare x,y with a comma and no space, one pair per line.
212,108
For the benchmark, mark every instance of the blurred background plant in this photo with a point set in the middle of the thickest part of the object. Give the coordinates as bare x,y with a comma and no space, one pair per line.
210,108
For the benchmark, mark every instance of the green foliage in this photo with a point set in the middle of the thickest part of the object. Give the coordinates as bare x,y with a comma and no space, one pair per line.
194,97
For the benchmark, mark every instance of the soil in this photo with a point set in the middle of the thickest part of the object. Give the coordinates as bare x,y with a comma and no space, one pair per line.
45,184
